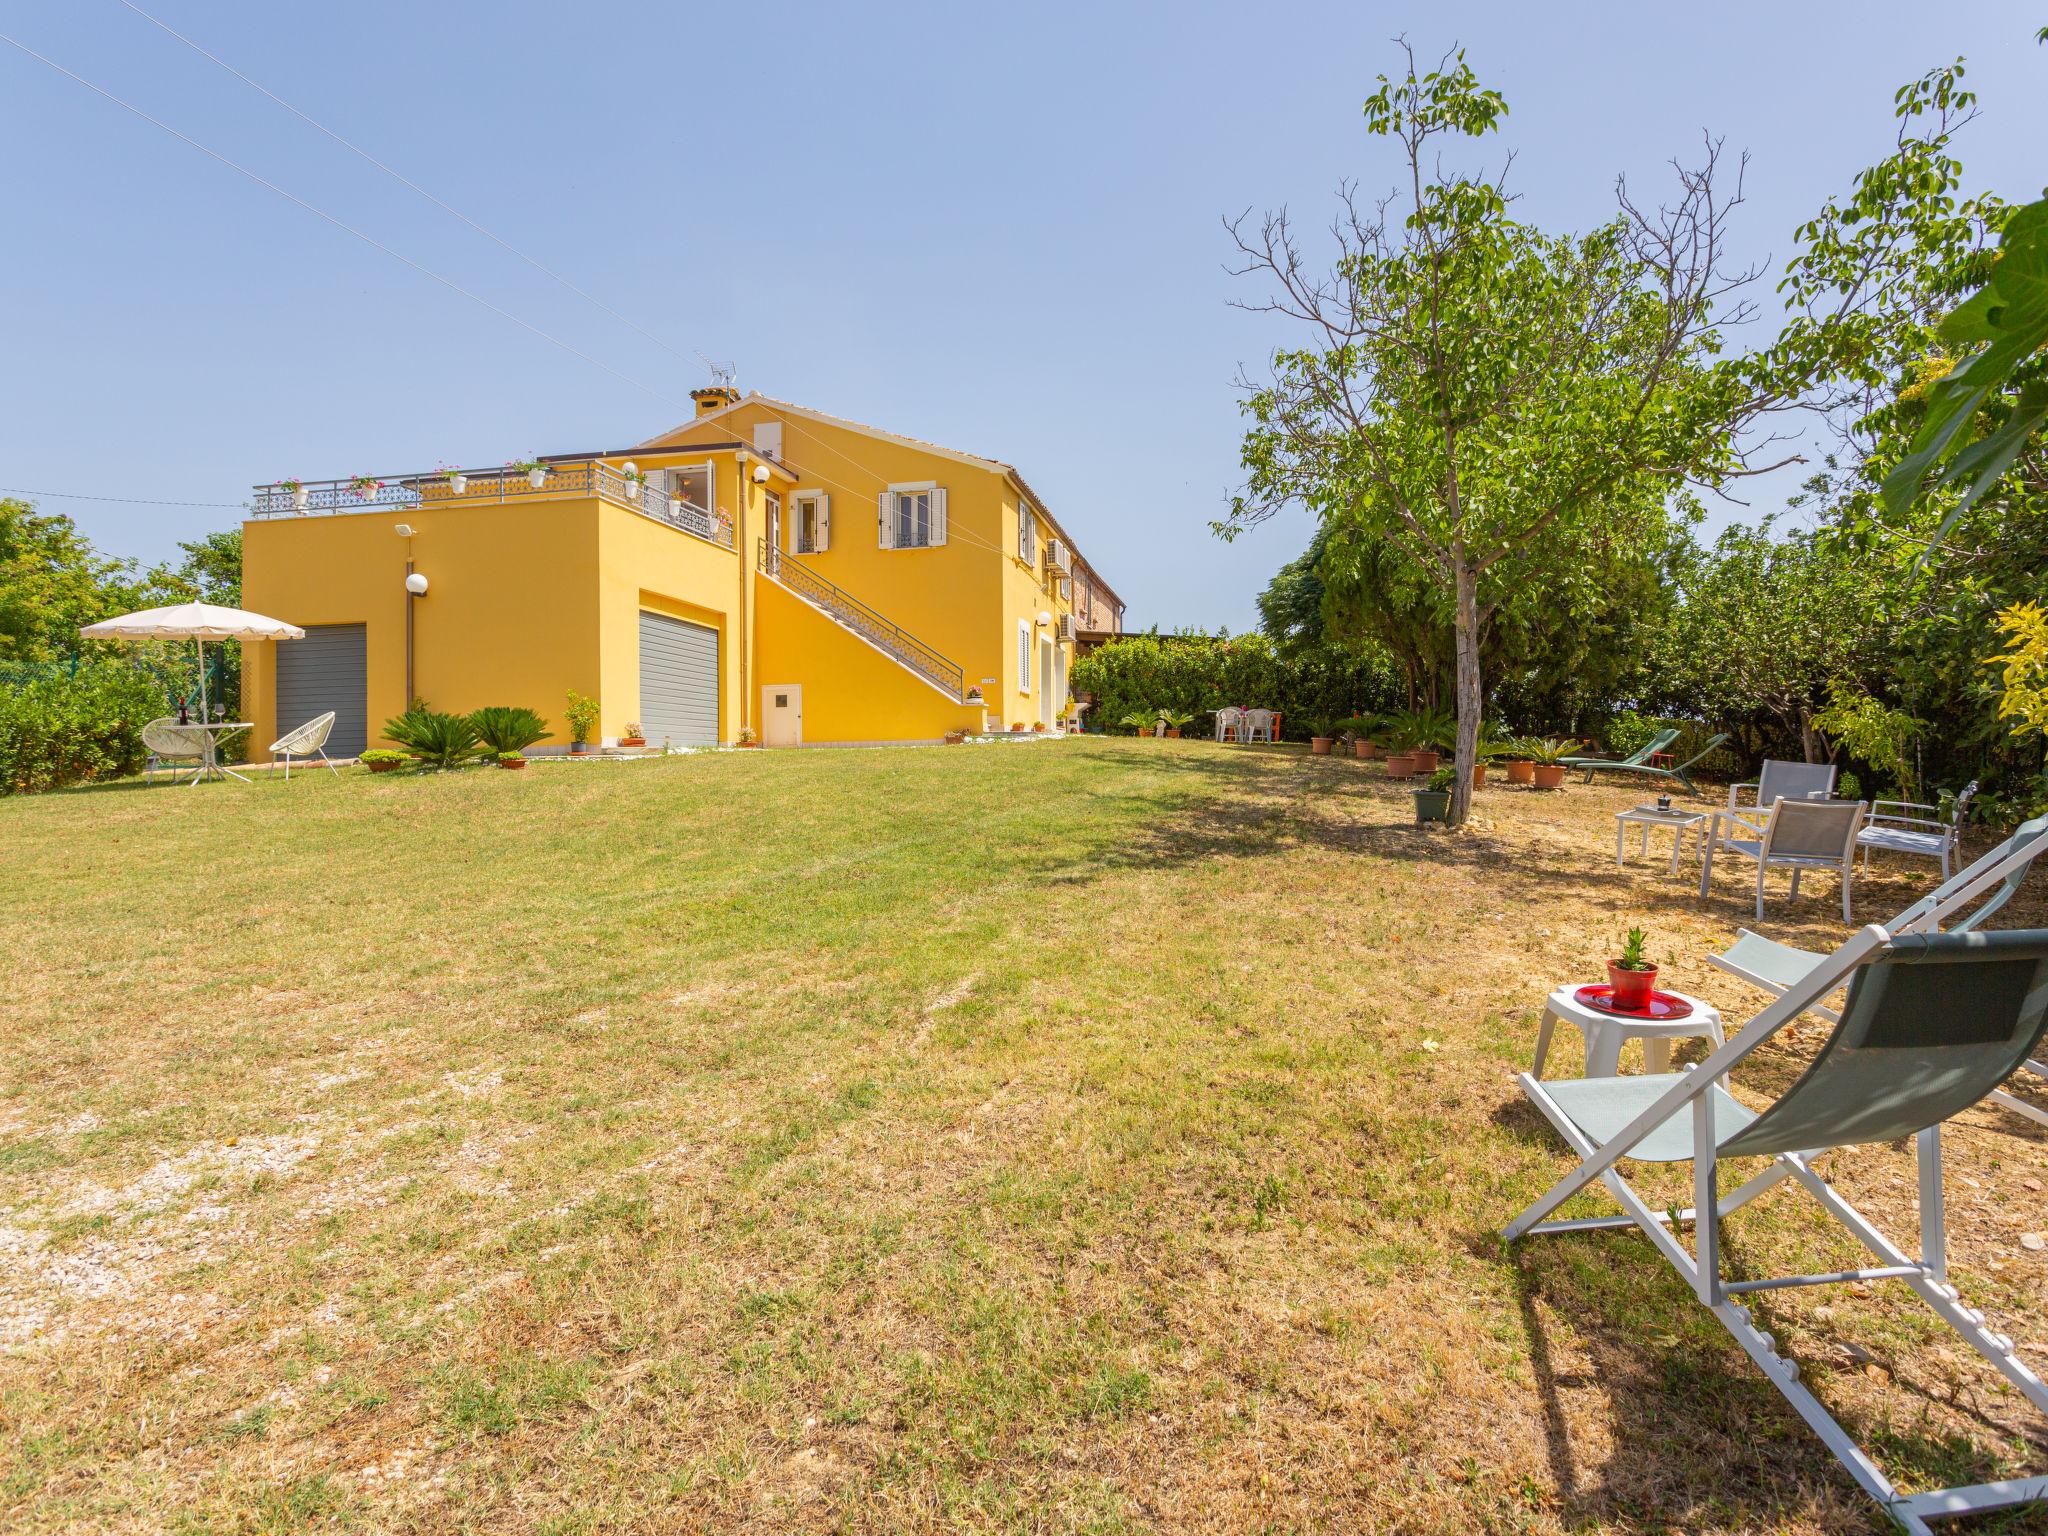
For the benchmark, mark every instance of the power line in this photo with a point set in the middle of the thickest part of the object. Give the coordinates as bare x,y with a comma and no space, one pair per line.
408,182
347,228
135,501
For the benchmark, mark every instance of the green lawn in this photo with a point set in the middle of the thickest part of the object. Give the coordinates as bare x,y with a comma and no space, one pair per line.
1068,1136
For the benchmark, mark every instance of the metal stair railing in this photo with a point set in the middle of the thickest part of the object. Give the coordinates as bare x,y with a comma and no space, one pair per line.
891,638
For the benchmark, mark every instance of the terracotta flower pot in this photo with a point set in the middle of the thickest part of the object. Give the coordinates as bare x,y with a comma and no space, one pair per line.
1362,749
1549,775
632,741
955,738
1479,775
1521,771
1400,765
515,767
383,767
1319,745
1425,760
1632,989
1173,731
1371,749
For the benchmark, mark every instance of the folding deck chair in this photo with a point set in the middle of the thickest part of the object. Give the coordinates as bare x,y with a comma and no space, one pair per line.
1639,762
1934,1022
1775,968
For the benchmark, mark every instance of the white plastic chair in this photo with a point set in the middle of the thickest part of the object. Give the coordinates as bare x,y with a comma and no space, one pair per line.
1258,725
1800,835
1230,723
170,743
1894,827
308,741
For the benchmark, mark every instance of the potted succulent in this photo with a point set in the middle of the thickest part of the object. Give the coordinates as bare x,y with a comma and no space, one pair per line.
746,737
1400,765
1177,720
1548,754
296,488
633,736
536,472
1633,976
581,714
458,482
364,487
1320,736
1358,731
1143,722
1433,800
383,759
511,759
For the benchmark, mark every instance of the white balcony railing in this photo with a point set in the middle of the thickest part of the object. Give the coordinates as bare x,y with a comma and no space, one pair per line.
491,487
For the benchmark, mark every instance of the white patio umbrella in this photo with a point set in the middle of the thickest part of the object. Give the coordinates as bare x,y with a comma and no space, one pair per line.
193,621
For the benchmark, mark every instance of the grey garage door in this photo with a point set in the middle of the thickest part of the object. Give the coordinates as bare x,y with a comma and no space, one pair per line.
324,671
678,681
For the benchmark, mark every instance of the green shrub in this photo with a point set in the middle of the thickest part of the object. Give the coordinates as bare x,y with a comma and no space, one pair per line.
1199,675
438,740
383,755
509,729
76,727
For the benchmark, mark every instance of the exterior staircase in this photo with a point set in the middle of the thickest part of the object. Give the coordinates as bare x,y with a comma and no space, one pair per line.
849,612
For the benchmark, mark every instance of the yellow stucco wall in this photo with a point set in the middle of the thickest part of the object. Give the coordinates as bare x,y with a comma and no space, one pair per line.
964,598
851,691
525,601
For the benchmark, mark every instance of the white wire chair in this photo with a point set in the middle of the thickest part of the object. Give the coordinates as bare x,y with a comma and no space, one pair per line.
307,741
170,744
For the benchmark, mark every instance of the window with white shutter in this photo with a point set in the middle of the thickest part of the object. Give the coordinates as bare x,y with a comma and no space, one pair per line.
810,523
1023,656
912,516
1027,535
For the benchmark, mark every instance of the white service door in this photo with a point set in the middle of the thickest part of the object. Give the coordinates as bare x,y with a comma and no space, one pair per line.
782,715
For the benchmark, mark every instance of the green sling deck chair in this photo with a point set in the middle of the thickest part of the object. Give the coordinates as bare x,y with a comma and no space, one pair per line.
1933,1023
1775,968
1639,760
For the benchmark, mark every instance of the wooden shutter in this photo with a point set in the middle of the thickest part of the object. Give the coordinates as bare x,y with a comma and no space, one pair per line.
795,512
822,527
938,515
885,521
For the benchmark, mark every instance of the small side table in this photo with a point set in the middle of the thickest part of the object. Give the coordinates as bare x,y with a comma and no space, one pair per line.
1648,816
1606,1033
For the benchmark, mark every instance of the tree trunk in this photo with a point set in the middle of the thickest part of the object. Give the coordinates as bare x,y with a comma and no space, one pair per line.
1468,689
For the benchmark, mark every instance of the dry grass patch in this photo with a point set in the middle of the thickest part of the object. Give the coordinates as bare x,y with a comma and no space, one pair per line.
1093,1136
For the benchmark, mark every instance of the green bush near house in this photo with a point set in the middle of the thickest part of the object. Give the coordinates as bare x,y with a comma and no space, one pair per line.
438,740
505,729
1200,674
74,727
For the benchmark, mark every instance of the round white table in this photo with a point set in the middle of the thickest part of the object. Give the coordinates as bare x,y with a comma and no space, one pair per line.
1648,816
1606,1033
216,733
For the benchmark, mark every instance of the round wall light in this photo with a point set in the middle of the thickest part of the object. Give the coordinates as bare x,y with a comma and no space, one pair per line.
1044,620
760,474
416,584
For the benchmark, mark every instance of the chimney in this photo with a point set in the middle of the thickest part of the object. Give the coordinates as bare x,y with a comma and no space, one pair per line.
714,397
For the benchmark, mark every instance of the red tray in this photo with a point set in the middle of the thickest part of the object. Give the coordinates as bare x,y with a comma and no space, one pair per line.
1663,1005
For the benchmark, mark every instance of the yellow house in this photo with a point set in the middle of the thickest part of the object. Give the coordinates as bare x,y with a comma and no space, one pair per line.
763,571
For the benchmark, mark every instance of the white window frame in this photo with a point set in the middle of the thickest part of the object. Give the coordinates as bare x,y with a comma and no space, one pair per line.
889,514
817,502
1026,644
1027,535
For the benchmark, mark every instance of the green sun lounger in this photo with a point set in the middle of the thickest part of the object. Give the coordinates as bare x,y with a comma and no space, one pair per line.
1639,761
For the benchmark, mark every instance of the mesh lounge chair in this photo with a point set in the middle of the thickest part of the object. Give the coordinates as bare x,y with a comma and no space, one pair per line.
1934,1022
1781,780
1681,774
170,746
1777,968
308,741
1798,835
1640,758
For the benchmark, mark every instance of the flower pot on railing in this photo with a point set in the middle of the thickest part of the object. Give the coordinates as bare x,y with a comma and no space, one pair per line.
537,478
675,508
457,484
299,499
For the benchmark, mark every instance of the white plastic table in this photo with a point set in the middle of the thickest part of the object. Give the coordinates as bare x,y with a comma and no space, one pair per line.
1648,816
1606,1033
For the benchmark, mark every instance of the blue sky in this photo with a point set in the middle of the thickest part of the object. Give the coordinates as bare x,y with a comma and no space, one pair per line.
997,229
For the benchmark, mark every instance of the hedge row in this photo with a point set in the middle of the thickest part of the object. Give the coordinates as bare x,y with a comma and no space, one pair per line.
71,729
1200,676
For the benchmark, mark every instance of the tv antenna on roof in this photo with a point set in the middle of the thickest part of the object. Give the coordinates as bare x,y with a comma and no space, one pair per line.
724,375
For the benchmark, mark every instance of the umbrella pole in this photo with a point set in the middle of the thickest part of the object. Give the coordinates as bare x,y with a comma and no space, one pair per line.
203,716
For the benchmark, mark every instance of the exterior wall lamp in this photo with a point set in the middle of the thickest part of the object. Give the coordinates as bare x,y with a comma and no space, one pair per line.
760,474
416,584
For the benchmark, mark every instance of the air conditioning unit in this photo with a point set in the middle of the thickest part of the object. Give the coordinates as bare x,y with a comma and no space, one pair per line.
1066,630
1060,555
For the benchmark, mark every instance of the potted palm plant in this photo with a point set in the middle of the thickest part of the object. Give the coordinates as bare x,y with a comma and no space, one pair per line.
1433,800
1515,758
1320,736
1177,720
1359,730
1548,753
1634,975
1143,722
